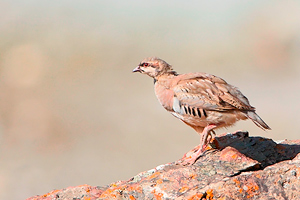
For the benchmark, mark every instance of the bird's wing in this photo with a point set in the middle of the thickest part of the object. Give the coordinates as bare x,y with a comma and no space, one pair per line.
208,92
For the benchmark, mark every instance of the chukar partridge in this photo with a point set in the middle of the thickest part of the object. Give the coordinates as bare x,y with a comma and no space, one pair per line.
202,101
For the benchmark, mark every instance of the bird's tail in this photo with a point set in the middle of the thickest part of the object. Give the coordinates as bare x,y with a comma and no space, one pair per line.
257,120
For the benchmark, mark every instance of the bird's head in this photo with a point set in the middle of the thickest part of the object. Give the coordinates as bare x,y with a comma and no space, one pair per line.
153,67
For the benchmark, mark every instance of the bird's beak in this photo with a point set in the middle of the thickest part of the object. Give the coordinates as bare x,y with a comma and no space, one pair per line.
137,69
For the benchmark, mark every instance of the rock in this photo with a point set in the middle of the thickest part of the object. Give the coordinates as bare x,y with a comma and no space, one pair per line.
239,167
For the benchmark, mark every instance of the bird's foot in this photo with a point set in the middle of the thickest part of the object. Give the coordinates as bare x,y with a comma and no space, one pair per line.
192,156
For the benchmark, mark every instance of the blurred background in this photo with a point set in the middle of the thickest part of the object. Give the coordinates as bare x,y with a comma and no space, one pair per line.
72,112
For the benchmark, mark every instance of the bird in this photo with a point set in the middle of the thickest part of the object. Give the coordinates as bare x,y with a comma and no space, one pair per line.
203,101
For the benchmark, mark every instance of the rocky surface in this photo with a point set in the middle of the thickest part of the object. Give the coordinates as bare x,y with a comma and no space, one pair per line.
237,167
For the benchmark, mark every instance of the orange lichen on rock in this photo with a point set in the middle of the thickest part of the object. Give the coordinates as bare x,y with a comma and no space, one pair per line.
50,193
208,147
257,175
106,193
157,195
135,188
196,196
251,189
159,181
209,194
183,189
193,176
237,182
154,175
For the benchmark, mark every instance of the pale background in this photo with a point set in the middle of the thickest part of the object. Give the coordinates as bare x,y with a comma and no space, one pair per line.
72,112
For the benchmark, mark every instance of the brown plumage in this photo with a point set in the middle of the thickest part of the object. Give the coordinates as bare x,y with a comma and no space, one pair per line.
202,101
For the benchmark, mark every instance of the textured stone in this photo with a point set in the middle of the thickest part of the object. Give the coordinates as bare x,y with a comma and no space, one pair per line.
240,167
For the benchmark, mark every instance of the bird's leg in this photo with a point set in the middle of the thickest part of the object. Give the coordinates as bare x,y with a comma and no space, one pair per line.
203,144
204,138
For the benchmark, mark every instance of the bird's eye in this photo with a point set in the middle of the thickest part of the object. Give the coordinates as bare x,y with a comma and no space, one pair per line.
146,64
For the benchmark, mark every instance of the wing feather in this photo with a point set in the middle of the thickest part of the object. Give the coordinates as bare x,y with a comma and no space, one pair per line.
209,92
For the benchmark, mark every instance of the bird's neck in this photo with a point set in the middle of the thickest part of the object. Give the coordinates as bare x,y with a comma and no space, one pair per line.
165,77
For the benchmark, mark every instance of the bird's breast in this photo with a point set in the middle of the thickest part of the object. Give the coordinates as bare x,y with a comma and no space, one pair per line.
164,96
